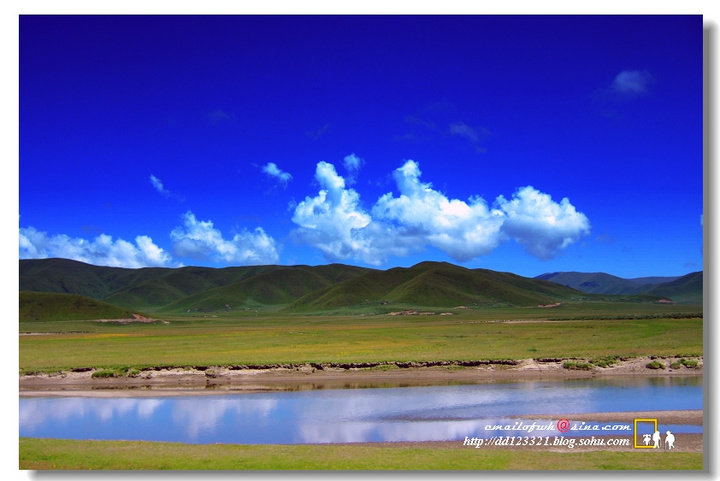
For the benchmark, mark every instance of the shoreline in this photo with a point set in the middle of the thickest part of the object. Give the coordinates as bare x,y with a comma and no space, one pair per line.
218,380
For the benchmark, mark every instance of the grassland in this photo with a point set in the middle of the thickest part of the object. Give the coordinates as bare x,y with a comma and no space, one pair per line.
584,330
271,336
45,306
53,454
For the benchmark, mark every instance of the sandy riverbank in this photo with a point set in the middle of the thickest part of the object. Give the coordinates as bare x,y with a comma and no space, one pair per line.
218,379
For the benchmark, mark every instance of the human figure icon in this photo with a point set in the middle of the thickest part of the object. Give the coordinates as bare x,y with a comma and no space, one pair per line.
646,439
656,440
669,440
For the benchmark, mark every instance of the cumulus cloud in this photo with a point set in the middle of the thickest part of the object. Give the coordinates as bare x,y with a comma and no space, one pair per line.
333,220
420,216
102,251
272,170
201,240
543,226
632,82
463,230
352,165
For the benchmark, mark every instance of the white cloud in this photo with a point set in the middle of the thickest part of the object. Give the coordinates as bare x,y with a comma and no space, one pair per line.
352,165
272,170
201,240
464,230
632,82
543,226
335,222
157,183
352,162
102,250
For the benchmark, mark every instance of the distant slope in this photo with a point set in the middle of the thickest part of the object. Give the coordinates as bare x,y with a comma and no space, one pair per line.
46,306
686,289
435,284
601,283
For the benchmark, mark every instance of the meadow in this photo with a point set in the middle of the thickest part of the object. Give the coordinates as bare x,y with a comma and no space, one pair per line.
271,336
255,337
53,454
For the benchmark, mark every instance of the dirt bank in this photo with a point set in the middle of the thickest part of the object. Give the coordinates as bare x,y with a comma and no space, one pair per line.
337,375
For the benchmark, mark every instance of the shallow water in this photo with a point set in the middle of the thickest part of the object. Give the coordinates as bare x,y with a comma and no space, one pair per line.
431,413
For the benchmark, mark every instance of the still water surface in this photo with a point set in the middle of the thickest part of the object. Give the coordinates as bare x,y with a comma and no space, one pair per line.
350,415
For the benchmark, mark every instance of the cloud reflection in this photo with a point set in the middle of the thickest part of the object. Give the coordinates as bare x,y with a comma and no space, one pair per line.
345,415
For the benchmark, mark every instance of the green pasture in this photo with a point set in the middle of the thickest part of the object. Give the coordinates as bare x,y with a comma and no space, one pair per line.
60,454
582,330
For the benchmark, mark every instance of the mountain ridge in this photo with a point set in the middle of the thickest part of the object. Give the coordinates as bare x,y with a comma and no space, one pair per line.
305,288
687,288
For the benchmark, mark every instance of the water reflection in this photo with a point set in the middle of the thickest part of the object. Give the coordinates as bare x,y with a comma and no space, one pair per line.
349,415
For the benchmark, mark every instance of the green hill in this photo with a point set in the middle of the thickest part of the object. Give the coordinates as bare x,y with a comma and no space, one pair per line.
436,284
302,288
177,284
686,290
64,276
601,283
277,286
180,289
47,306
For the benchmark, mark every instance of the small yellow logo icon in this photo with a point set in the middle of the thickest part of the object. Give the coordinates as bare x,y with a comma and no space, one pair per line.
642,432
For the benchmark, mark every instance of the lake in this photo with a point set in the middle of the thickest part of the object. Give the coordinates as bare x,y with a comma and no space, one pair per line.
429,413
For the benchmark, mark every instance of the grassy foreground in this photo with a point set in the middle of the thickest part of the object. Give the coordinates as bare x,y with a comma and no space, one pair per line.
55,454
273,339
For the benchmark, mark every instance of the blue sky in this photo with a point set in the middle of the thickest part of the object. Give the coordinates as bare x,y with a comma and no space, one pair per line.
526,144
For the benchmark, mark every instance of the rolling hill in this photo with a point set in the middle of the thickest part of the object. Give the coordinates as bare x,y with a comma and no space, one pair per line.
601,283
47,306
311,288
181,289
436,284
303,288
687,289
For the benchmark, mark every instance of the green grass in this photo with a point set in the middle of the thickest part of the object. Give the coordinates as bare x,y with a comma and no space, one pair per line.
578,366
308,289
57,454
273,339
45,306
